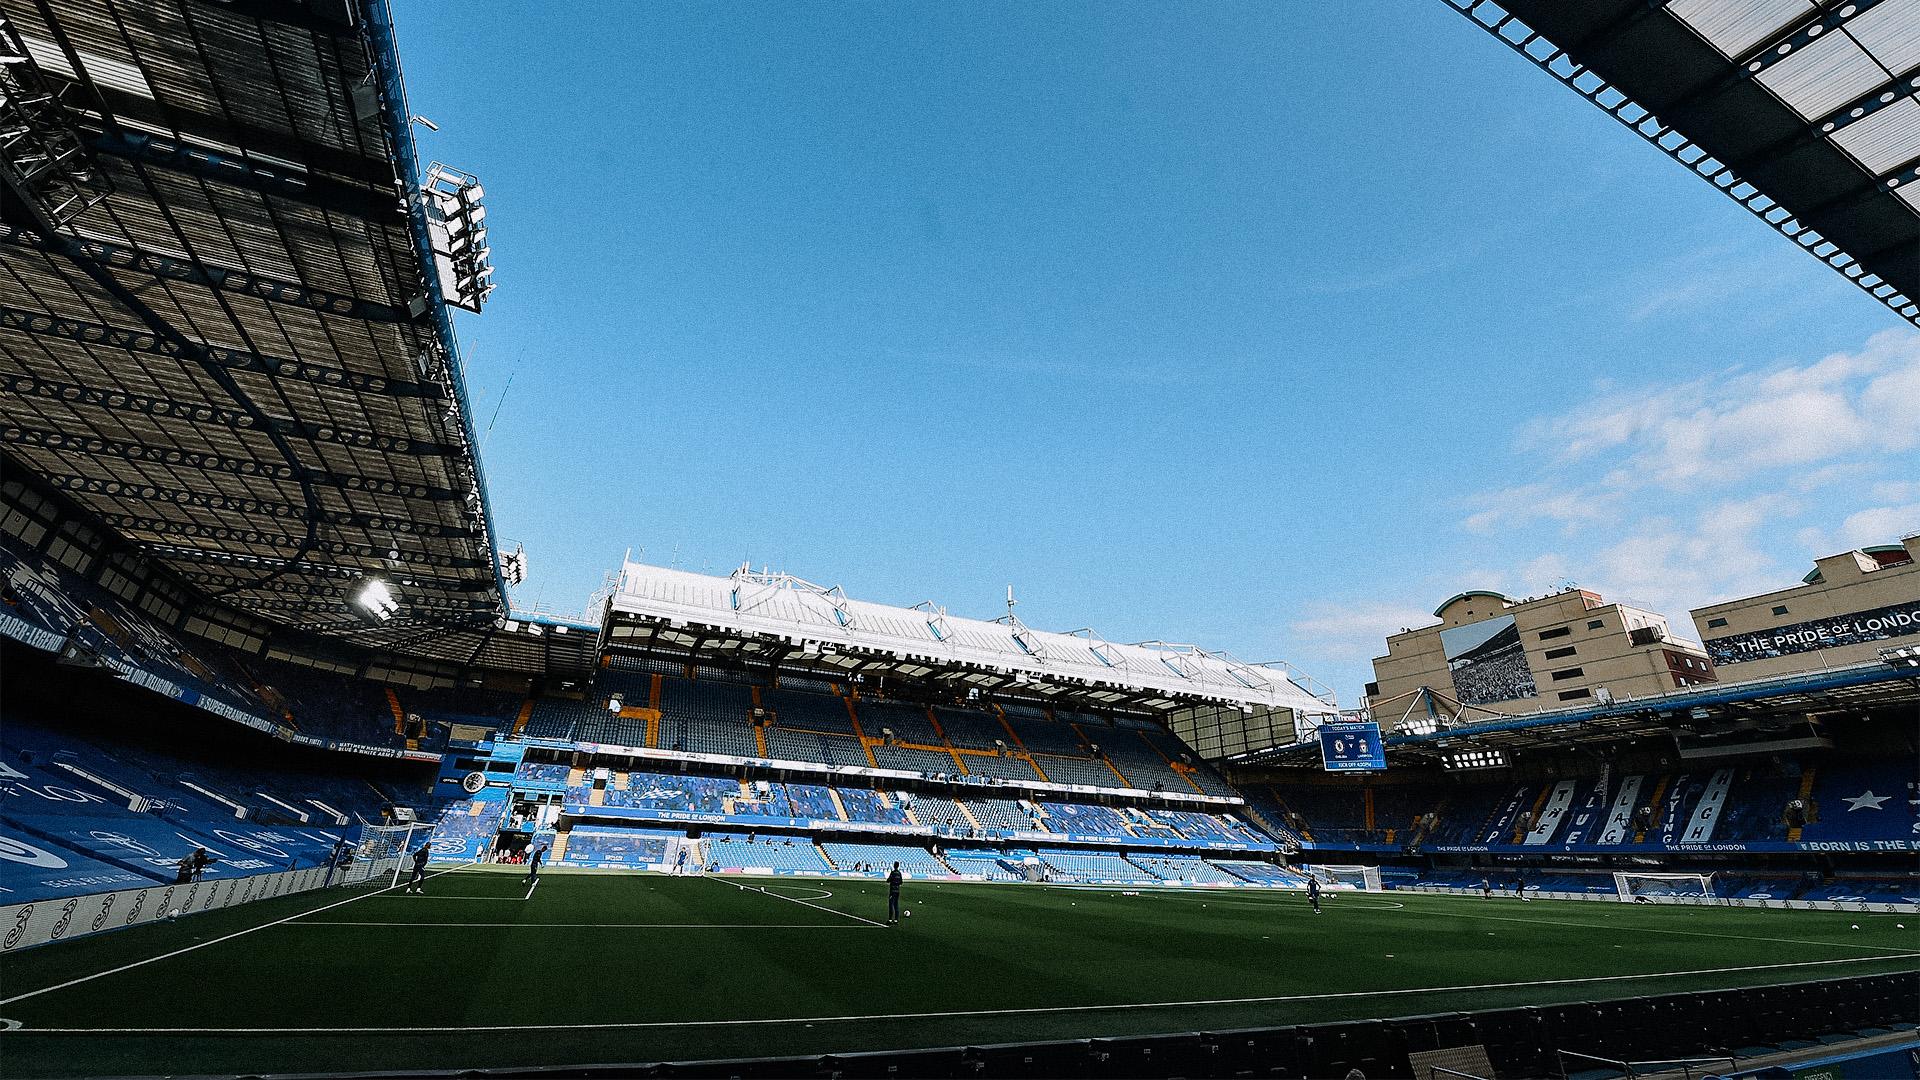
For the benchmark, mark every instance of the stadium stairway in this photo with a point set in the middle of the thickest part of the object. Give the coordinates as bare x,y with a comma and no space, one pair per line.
1806,799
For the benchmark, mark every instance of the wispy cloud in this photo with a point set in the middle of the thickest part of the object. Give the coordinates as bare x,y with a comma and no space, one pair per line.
1354,632
1721,431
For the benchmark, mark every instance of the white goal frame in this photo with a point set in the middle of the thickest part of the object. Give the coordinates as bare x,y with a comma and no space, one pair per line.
1623,882
379,854
1364,878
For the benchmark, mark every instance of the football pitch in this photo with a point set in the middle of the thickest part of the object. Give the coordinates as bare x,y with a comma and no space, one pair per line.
609,967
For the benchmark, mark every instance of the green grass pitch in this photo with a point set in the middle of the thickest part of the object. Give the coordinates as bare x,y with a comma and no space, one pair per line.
605,967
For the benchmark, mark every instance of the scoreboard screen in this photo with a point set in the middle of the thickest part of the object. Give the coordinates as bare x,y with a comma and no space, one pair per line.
1352,747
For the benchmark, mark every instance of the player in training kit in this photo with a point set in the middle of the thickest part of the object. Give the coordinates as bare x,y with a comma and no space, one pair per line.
1313,894
1486,889
893,896
533,862
418,881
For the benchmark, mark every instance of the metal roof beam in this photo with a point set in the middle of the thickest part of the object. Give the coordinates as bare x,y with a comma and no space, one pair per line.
117,489
387,208
40,323
154,264
253,537
320,580
121,401
333,18
175,457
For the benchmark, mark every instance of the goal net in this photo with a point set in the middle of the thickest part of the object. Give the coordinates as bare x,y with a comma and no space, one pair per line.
379,854
1663,888
1355,877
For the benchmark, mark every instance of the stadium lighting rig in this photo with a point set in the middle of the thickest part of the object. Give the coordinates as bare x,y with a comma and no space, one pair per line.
456,225
374,601
1903,658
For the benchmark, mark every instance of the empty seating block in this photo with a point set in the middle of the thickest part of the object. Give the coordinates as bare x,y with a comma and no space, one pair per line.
734,851
914,861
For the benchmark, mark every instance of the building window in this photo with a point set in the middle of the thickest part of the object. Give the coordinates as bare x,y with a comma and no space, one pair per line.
1780,609
1596,624
1575,695
1555,654
1558,631
1715,624
1568,673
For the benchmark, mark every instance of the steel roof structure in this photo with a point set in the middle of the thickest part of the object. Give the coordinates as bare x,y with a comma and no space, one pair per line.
221,330
767,617
1806,112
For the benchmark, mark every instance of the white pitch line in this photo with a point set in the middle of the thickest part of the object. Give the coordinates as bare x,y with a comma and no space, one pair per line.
874,1017
532,884
791,900
1695,933
410,897
582,925
191,948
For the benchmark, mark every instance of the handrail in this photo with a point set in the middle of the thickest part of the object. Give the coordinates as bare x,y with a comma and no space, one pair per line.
1625,1067
1631,1069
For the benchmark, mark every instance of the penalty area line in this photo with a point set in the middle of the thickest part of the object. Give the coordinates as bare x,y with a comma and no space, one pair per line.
762,890
949,1014
199,945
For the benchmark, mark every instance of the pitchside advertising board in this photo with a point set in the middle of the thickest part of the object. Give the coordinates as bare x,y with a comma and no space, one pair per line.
1352,747
1858,628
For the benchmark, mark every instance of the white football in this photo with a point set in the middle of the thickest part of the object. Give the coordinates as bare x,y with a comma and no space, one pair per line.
174,914
1856,926
906,914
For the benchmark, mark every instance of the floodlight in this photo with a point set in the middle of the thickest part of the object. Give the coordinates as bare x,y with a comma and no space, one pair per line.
1902,657
374,601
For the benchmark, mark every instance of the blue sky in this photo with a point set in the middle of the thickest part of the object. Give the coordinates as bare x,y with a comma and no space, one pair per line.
1261,326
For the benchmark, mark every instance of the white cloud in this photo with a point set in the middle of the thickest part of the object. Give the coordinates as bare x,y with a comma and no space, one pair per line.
1865,528
1353,632
1674,566
1527,503
1717,432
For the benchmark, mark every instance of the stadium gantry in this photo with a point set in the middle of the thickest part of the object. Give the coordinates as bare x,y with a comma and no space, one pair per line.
1806,113
225,318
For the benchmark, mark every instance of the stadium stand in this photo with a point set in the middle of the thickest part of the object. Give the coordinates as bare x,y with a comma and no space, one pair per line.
609,848
915,862
1093,868
735,851
1183,869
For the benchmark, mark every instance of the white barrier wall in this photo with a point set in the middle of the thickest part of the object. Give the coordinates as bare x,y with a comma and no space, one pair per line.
1686,901
63,918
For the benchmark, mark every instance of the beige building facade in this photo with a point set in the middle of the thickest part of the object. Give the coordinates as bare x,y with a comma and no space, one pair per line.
1498,655
1850,607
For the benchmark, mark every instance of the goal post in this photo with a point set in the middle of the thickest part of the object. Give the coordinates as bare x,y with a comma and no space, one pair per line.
1636,888
1364,878
379,854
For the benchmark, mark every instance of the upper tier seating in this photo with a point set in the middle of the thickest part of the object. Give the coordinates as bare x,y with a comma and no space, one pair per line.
1006,768
808,711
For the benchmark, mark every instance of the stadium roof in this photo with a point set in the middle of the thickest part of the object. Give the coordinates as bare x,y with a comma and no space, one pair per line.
770,616
1807,113
223,332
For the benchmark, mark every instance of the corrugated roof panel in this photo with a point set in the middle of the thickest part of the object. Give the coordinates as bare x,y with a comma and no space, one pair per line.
1734,26
1885,139
1822,76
